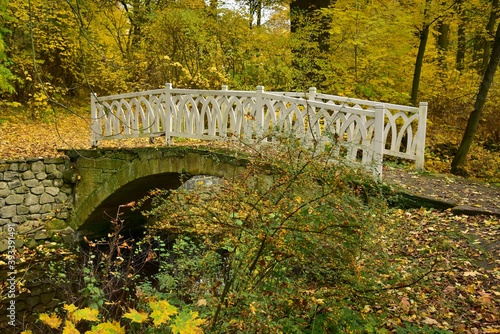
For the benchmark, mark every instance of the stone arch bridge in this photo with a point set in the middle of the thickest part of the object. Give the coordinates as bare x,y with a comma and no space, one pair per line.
106,179
82,192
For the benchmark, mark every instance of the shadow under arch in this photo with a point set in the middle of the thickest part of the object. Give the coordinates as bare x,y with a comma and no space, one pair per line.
98,223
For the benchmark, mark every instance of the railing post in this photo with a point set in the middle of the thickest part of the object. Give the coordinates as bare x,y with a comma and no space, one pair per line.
259,112
223,128
421,133
95,127
378,141
309,124
168,113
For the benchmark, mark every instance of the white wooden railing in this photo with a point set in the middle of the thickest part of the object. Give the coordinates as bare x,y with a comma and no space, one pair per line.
357,129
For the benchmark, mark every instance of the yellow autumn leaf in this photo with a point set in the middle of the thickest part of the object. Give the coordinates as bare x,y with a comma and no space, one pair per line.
69,328
161,311
107,328
187,323
253,309
136,316
70,308
86,314
52,320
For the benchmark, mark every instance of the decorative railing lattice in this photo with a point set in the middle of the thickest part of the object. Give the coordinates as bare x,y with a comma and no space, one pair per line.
357,129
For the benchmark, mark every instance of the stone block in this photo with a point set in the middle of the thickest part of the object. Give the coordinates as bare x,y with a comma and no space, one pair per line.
4,192
41,176
22,190
23,210
61,197
15,183
31,243
51,168
53,191
10,175
30,199
28,175
62,215
32,183
46,198
41,235
58,183
4,185
68,190
18,243
23,166
46,208
55,175
23,229
8,211
38,190
56,161
2,202
56,224
35,209
14,167
14,199
47,183
19,219
4,221
38,167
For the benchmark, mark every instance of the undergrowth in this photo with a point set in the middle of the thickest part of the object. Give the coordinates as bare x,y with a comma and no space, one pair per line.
294,245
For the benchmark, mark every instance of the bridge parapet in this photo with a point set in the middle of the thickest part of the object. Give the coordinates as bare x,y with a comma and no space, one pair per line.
358,129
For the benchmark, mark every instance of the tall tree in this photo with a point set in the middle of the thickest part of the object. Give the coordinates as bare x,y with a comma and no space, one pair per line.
457,165
423,37
461,39
303,12
490,26
311,40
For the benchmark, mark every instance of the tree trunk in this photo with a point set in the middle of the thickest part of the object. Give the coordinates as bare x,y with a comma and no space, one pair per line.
461,40
457,165
259,13
314,45
490,26
424,36
443,40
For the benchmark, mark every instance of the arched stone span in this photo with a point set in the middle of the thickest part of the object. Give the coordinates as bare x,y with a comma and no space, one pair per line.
101,173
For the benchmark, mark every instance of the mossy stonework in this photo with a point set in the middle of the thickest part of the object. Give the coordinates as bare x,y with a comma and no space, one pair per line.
101,173
35,199
53,198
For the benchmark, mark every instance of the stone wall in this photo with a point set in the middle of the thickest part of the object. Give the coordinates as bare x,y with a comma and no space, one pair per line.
35,198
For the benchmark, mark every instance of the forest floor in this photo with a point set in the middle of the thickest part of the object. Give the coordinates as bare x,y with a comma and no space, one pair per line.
461,293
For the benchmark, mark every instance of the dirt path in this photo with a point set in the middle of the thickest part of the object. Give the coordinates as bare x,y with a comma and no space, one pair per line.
463,195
